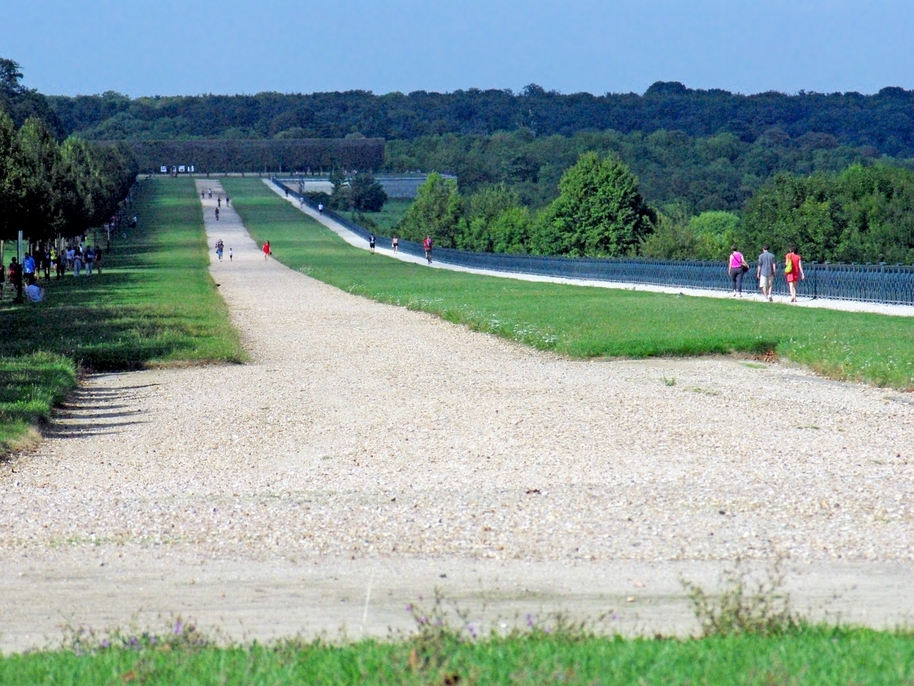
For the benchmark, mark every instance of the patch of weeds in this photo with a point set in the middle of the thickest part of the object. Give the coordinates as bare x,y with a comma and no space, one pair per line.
669,382
745,605
705,391
755,365
179,635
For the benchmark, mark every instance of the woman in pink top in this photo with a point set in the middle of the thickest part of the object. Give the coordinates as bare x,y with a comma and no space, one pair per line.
737,266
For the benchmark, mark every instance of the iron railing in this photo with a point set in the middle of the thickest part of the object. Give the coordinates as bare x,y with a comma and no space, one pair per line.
887,284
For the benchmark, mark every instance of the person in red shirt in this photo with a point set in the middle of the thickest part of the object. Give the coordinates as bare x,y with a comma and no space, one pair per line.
793,269
266,250
427,244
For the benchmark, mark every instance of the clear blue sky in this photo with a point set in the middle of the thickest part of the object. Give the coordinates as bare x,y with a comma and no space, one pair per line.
186,47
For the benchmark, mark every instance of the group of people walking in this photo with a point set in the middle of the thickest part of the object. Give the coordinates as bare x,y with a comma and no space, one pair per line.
765,271
22,278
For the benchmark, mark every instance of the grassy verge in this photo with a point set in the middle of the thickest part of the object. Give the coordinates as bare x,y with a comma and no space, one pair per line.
815,655
393,211
589,322
154,304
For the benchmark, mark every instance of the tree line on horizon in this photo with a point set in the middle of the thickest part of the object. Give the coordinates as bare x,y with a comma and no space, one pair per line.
689,172
884,121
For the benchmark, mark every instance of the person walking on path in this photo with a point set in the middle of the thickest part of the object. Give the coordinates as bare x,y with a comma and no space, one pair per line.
737,268
77,260
228,200
219,201
427,244
320,208
267,251
764,272
14,276
395,243
371,243
230,254
217,214
28,268
793,270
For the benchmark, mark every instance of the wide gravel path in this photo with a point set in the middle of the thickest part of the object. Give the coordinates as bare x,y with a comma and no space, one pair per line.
369,453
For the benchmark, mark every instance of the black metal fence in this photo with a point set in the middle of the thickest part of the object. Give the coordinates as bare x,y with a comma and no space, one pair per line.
867,283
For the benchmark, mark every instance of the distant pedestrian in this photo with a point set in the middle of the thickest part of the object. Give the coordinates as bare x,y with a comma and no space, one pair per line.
793,270
209,192
228,200
217,214
267,251
98,260
14,277
28,268
77,260
219,201
320,208
89,260
371,242
230,254
219,250
427,244
301,202
737,267
395,244
202,194
764,273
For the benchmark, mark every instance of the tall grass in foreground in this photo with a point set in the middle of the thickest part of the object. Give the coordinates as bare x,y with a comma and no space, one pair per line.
589,322
154,304
815,655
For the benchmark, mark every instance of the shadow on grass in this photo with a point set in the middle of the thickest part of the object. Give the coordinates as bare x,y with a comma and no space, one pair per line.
97,338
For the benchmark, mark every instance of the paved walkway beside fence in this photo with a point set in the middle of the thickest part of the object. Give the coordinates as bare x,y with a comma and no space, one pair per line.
750,289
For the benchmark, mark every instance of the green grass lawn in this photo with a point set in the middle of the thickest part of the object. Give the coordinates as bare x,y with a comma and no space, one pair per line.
816,655
393,211
154,304
589,322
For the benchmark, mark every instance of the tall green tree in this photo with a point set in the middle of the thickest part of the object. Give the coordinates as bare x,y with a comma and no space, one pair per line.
366,194
483,210
436,212
599,212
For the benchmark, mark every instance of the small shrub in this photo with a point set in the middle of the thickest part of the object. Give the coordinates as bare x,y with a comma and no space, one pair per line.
745,605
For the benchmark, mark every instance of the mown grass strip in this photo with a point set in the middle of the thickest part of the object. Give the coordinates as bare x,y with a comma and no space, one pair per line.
815,655
589,322
154,304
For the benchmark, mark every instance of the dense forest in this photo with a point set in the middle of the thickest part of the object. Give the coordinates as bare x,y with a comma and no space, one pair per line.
884,121
717,172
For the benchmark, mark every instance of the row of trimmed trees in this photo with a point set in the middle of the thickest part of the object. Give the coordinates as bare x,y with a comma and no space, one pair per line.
50,189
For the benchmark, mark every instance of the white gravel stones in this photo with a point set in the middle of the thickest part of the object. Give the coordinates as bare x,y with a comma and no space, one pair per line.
368,430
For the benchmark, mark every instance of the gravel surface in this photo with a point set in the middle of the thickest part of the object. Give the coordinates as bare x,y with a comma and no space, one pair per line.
369,432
